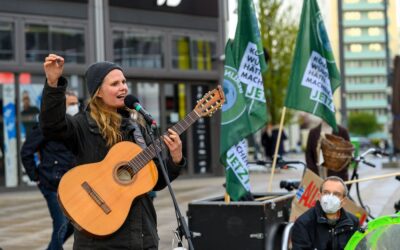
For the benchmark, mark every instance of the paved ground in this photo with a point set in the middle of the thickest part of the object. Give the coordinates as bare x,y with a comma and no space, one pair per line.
25,223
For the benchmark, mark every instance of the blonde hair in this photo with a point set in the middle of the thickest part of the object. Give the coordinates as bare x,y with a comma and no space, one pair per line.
109,122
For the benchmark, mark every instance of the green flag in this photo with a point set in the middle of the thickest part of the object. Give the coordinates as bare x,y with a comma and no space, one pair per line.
314,76
244,111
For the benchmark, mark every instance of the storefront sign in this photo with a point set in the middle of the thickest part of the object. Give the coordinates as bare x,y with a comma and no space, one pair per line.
169,3
187,7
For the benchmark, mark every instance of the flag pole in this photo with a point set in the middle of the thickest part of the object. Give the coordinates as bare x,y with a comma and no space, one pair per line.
227,198
372,178
278,141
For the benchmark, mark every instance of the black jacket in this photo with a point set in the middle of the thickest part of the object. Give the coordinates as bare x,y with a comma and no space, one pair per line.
312,231
312,154
81,134
54,159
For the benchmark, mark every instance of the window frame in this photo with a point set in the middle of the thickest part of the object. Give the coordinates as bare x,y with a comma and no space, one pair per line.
60,22
207,36
13,21
167,35
151,31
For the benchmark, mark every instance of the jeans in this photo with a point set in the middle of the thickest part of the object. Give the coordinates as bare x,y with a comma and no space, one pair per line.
62,228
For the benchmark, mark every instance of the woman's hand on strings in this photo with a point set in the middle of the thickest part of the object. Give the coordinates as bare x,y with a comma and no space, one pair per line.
174,144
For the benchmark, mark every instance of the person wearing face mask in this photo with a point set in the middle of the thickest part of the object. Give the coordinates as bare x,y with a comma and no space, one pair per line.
54,160
72,103
326,225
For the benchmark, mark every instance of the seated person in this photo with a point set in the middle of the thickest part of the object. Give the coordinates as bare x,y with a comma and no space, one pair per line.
326,225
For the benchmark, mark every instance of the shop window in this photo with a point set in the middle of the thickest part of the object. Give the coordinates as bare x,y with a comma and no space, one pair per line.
138,49
148,95
193,53
67,42
6,41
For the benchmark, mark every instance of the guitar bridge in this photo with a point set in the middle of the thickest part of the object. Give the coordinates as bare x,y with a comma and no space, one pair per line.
96,197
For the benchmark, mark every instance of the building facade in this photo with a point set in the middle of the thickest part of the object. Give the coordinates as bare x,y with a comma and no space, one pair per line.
368,55
170,51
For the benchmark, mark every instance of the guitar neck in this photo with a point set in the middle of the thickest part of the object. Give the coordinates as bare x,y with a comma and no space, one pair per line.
184,124
150,152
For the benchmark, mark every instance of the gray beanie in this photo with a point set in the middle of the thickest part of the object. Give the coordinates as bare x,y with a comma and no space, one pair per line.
95,75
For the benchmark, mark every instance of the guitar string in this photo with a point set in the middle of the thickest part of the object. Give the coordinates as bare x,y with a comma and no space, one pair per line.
146,155
141,159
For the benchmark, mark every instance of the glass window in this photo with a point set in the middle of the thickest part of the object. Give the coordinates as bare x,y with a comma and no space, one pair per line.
30,102
138,49
67,42
366,63
181,53
148,95
6,41
352,15
203,52
375,47
375,15
375,31
36,42
193,53
353,32
355,47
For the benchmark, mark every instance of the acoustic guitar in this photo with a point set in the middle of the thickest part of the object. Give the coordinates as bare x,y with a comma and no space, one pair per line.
97,196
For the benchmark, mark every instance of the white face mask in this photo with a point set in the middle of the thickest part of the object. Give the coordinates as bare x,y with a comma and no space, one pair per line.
72,109
330,203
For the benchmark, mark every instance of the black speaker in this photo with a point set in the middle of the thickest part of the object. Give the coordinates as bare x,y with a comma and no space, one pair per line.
244,225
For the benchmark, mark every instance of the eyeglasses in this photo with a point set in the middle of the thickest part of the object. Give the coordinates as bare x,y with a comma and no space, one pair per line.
337,194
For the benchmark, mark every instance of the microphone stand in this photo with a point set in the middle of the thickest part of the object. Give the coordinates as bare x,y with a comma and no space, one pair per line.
182,229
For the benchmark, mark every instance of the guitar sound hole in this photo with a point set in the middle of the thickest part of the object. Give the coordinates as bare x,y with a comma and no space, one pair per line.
125,173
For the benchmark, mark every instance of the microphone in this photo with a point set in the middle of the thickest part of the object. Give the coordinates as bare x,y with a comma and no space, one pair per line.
133,103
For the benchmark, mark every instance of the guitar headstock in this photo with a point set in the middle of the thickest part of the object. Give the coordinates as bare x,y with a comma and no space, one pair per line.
210,102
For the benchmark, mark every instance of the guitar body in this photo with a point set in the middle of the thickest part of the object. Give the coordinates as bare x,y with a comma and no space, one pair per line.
97,196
